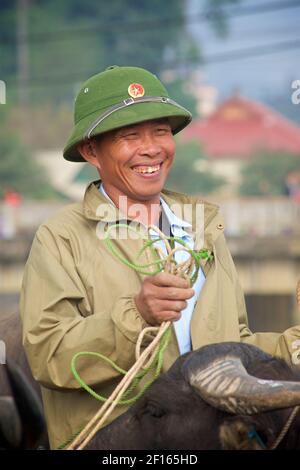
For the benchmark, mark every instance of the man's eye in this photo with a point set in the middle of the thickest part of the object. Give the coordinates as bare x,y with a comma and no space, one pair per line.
130,135
162,130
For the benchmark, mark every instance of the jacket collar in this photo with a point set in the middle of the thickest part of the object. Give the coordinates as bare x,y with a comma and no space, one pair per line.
203,216
189,208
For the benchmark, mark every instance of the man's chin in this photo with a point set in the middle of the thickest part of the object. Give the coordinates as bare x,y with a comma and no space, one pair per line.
145,197
144,194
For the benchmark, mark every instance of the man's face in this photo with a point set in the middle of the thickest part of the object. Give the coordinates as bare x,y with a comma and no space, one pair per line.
135,160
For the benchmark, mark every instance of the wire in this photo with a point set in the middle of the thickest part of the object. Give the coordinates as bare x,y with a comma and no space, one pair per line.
144,25
254,51
234,55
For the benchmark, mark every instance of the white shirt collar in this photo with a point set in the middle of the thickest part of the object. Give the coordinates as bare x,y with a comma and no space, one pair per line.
105,193
177,225
174,221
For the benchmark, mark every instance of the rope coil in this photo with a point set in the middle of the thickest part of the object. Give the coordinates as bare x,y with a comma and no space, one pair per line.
152,356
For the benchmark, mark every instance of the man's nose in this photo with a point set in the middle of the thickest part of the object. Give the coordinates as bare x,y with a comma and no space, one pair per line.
149,146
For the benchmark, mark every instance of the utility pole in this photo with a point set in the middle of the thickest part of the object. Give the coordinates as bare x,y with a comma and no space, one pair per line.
23,52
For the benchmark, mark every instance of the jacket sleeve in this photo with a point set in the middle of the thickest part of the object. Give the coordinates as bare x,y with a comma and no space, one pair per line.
56,325
285,345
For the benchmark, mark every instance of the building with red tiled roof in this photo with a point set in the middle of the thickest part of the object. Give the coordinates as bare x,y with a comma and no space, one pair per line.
239,128
235,131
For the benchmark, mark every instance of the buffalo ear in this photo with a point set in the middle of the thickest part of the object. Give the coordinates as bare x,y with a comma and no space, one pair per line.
240,434
28,406
10,425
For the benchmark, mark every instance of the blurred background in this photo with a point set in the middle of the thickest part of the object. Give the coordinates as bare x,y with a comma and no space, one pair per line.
233,63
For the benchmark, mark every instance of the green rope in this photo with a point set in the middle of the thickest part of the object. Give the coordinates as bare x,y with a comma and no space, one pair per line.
137,267
157,361
196,255
159,264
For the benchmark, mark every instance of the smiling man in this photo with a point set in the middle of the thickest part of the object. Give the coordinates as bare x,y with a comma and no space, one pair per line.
133,161
77,296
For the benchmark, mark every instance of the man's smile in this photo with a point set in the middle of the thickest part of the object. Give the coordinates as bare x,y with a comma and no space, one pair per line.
147,170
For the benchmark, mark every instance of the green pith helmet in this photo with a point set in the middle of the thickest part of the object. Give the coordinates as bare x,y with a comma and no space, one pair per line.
118,97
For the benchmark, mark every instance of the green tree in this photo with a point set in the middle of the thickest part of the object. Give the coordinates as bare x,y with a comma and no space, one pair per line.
217,16
69,41
177,90
266,174
72,39
184,176
20,172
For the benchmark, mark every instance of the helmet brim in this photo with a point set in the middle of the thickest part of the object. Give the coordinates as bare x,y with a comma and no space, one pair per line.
134,114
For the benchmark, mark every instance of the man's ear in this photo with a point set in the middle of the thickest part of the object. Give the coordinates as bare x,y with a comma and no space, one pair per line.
88,152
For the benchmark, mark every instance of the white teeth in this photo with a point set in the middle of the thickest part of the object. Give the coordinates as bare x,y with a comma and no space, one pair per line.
149,169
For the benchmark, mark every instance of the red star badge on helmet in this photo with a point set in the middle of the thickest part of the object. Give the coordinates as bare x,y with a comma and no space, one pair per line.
136,90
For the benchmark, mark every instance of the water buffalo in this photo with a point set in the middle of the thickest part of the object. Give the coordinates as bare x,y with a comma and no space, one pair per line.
222,396
22,424
11,335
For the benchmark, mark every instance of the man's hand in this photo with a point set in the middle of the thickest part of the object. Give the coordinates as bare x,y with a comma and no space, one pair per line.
163,297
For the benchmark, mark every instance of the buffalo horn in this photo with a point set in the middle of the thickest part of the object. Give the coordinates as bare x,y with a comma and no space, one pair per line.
225,384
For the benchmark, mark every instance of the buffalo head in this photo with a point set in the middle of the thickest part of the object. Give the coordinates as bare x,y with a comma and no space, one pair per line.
222,396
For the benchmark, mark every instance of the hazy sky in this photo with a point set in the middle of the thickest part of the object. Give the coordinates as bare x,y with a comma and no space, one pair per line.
256,77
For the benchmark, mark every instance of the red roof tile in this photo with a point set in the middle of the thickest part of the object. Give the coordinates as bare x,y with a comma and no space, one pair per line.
240,127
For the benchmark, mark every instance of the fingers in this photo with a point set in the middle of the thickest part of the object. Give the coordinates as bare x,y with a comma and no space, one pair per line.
169,280
163,297
164,315
169,287
171,305
173,293
168,315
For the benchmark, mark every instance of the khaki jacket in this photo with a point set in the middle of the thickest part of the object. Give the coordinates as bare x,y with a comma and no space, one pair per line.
76,296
